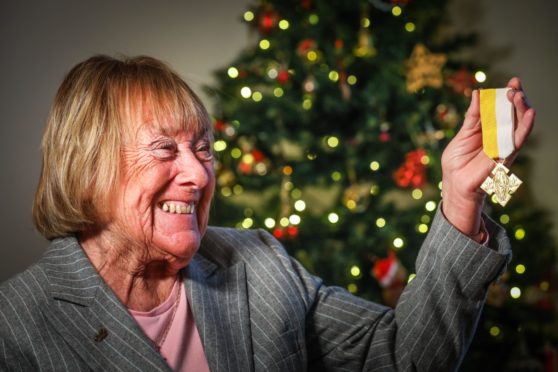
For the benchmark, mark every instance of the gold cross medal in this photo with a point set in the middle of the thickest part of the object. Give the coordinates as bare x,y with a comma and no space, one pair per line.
497,141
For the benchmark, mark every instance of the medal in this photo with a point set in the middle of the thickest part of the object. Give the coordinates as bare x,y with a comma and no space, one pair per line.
497,142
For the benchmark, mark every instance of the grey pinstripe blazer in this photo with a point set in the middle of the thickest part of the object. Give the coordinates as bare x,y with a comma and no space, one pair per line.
256,309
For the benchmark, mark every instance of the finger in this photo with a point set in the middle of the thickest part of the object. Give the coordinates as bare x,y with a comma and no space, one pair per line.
514,83
521,105
524,128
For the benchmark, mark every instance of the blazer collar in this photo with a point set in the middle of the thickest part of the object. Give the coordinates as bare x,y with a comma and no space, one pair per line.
219,301
89,316
85,311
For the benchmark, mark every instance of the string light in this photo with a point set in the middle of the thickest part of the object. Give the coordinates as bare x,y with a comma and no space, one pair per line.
410,27
257,96
236,153
219,145
336,176
422,228
430,206
246,92
312,56
495,331
480,76
440,185
247,223
332,141
425,218
333,75
520,269
307,104
333,217
374,166
278,92
504,219
284,221
411,277
365,22
380,222
398,243
226,191
351,204
515,292
272,73
269,223
313,19
264,44
248,16
351,79
355,271
283,24
519,233
352,288
294,219
374,190
232,72
425,160
287,170
288,185
296,194
396,11
416,194
300,205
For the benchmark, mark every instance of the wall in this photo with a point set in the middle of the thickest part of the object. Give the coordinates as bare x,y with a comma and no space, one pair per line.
40,41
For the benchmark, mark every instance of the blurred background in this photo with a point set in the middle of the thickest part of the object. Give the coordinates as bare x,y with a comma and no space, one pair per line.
41,41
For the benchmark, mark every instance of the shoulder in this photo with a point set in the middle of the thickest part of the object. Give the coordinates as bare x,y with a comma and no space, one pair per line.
226,246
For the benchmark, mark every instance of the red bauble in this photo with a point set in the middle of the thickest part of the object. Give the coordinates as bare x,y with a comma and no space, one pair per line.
268,20
292,231
219,125
412,172
305,46
278,233
384,137
461,81
283,76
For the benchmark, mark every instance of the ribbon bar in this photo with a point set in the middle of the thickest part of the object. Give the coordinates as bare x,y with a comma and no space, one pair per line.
497,123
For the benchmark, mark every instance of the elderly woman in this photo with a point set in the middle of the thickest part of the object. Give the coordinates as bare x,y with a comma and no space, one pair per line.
134,279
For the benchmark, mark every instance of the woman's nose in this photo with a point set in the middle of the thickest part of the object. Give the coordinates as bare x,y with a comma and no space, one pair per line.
191,171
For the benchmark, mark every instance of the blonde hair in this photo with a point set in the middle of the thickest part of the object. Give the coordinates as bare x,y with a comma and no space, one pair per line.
86,128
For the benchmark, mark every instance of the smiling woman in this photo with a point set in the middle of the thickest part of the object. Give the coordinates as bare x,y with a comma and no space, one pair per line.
135,279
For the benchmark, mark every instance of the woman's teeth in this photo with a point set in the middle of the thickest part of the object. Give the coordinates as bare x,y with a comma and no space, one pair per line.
178,208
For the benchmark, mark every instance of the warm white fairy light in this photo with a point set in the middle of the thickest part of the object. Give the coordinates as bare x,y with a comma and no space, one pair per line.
246,92
333,217
269,223
300,205
232,72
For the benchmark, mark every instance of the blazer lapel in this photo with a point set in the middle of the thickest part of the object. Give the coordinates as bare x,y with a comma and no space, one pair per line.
87,314
218,299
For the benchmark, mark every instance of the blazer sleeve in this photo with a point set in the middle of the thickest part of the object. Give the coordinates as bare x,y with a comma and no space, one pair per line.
433,323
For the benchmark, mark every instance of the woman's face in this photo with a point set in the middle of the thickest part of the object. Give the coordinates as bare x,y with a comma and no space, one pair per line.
163,198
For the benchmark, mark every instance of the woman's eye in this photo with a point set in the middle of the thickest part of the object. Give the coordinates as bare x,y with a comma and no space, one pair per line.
165,150
204,152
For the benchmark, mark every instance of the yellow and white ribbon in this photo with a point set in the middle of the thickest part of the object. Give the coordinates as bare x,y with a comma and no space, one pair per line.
497,123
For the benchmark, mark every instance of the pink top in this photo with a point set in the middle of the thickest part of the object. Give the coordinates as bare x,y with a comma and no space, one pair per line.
182,348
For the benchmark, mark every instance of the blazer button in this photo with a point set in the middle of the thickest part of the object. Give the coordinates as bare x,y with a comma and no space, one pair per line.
102,333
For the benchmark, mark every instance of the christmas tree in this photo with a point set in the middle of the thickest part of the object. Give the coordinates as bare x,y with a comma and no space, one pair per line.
329,131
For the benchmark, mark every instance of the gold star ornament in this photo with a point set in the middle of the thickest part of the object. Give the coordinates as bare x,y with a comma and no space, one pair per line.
424,69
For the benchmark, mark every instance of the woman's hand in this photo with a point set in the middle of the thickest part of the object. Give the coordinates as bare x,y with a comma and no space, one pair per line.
465,166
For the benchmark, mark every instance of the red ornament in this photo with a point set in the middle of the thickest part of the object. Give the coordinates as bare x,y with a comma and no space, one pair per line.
412,172
278,233
384,137
258,156
461,81
268,20
283,76
220,125
338,44
305,46
289,232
